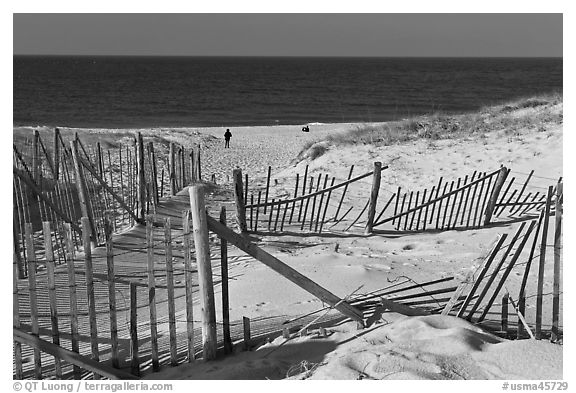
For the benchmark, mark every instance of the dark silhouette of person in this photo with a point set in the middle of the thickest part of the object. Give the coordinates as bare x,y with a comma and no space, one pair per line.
227,136
306,129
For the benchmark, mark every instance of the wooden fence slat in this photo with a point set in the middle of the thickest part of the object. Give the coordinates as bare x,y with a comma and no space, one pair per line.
326,206
111,292
201,243
399,223
69,356
468,190
540,287
495,272
152,291
314,201
271,215
521,294
320,204
225,296
257,212
140,177
134,355
303,193
455,223
70,255
50,267
189,285
18,371
497,210
406,216
307,203
267,188
395,206
557,257
32,262
86,236
448,205
170,290
507,271
343,193
482,274
451,216
293,202
512,209
504,315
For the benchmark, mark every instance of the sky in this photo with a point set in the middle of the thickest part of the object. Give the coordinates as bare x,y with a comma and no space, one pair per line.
296,34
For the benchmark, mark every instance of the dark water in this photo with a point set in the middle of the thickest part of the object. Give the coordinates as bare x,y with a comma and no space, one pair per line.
179,92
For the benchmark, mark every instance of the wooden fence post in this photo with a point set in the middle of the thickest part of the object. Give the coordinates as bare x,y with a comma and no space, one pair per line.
495,192
239,200
373,197
225,296
201,242
154,172
140,178
85,208
192,168
557,256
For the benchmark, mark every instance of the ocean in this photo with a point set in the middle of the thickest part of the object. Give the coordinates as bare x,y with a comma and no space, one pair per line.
134,92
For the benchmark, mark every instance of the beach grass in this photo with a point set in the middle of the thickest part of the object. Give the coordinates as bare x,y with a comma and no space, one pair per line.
531,112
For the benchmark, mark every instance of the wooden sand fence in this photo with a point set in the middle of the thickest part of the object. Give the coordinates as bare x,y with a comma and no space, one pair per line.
470,202
522,310
313,205
108,315
60,181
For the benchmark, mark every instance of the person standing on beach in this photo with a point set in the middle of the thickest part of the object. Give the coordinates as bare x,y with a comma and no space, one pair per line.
227,136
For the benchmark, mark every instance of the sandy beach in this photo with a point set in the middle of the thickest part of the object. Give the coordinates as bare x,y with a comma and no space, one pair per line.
396,346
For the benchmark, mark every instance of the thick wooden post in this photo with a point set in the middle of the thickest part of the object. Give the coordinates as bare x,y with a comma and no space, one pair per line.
267,188
557,257
494,196
373,197
188,281
239,200
201,242
225,296
140,178
82,190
